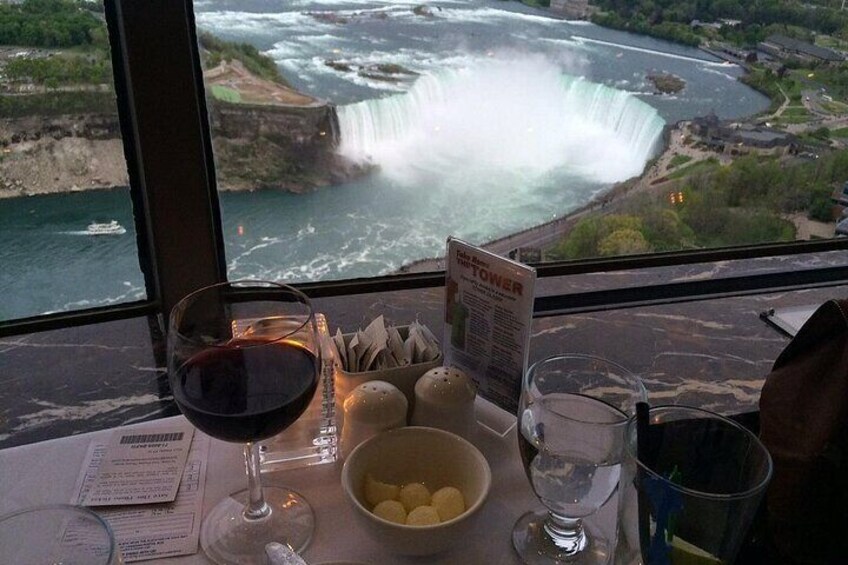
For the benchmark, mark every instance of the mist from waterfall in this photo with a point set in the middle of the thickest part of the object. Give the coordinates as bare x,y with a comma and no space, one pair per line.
502,116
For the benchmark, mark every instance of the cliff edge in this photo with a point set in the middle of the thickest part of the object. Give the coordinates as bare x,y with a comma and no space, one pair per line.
264,136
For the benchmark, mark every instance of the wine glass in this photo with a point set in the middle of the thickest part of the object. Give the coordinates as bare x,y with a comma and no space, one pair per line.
244,361
573,415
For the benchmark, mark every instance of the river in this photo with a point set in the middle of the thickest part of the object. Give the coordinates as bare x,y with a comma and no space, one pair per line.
512,118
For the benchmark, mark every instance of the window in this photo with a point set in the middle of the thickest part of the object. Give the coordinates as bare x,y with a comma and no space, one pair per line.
420,97
377,129
67,234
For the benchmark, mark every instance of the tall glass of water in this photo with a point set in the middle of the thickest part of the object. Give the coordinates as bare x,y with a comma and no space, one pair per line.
573,416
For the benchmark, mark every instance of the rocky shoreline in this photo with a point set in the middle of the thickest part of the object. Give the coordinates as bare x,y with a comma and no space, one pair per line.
282,148
61,154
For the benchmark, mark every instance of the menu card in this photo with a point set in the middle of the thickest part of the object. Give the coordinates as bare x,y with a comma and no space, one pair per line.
139,468
488,312
151,531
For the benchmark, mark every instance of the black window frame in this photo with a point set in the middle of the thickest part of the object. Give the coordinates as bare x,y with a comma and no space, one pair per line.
167,141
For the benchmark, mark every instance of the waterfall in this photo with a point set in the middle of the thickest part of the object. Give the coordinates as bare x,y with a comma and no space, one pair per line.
518,114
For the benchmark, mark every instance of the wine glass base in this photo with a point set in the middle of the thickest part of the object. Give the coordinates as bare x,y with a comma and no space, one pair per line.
535,546
227,537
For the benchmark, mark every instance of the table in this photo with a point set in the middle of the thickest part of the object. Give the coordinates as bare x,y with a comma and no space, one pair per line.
46,472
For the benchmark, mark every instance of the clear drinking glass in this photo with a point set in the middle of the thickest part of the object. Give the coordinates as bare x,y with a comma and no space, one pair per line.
244,383
58,533
690,488
573,415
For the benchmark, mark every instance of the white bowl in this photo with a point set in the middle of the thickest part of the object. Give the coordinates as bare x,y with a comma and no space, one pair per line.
415,454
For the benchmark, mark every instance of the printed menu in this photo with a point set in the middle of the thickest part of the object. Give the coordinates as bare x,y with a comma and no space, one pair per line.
139,468
488,312
151,531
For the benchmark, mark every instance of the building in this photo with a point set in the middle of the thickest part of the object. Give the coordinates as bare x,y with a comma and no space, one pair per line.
572,9
760,137
736,137
717,25
709,25
783,48
732,53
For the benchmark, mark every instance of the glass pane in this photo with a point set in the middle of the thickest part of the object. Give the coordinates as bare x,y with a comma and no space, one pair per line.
394,124
67,239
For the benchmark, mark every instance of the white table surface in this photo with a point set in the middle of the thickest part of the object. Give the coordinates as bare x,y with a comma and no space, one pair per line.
46,472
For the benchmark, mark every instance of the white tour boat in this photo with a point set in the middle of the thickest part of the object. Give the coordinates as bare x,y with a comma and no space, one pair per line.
111,228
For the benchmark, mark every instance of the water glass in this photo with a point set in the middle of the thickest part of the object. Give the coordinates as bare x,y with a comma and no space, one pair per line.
690,488
573,414
59,533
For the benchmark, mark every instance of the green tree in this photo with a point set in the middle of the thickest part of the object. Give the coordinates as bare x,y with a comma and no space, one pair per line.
820,205
582,241
664,230
48,23
625,241
606,235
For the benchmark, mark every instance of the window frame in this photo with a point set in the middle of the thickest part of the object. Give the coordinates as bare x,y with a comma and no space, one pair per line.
168,148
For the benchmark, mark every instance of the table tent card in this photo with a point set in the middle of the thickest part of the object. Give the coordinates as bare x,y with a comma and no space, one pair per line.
488,312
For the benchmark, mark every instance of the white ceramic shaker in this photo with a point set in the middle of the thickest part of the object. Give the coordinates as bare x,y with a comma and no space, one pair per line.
444,398
369,409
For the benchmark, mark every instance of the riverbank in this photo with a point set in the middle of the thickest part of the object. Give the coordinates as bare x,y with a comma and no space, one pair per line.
662,176
282,147
265,135
40,155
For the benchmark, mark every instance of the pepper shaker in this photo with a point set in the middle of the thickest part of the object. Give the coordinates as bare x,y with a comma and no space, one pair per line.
444,398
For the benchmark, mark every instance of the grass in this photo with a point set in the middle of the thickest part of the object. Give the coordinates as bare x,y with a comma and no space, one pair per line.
57,103
835,107
694,168
839,132
791,84
793,115
830,42
795,111
678,160
787,120
794,83
226,94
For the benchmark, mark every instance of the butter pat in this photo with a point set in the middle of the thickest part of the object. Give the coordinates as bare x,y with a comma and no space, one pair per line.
391,510
448,502
423,516
377,491
414,495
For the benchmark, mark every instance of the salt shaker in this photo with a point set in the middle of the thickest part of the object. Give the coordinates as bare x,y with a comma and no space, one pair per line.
444,398
369,409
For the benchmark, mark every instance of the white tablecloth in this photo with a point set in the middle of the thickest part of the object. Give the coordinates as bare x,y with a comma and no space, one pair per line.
46,472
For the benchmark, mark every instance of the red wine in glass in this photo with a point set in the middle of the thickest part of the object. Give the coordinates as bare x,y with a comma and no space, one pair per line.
248,390
244,364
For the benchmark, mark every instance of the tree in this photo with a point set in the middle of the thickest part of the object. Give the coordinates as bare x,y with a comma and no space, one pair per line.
602,236
625,241
664,230
582,241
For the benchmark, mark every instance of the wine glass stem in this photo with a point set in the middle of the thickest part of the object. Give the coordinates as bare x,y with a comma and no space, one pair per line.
256,508
566,533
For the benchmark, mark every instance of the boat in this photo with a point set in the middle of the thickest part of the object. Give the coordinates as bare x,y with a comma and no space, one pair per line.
111,228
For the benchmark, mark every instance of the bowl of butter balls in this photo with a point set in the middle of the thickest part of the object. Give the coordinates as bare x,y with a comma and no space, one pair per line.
416,490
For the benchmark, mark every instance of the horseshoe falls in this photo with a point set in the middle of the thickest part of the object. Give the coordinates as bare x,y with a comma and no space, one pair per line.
497,117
